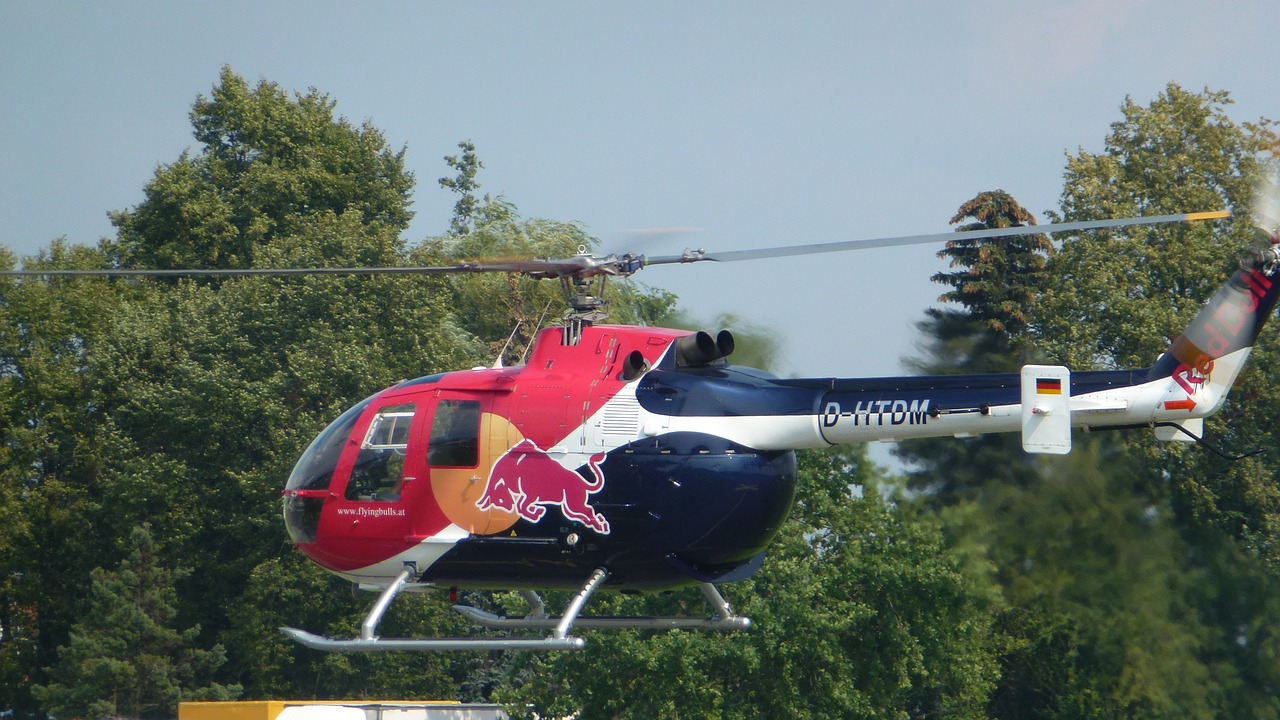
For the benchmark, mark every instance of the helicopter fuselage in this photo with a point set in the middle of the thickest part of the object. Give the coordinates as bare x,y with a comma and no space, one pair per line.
534,475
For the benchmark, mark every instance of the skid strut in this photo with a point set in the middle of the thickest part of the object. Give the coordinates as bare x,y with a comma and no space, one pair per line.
370,642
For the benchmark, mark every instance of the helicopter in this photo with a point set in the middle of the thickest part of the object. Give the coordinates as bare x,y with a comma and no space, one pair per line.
639,459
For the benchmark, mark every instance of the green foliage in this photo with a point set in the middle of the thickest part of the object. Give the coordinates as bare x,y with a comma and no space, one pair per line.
185,403
1116,302
1123,581
1184,152
508,309
997,288
1115,298
267,165
1000,279
125,658
1126,580
464,183
290,590
51,457
1107,608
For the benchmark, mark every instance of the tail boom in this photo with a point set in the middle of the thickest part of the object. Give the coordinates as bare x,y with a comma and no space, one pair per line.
1191,380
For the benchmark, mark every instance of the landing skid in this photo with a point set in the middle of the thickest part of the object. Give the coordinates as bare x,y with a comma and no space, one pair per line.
317,642
724,620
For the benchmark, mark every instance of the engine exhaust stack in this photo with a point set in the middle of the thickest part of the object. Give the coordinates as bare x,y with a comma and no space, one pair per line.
701,349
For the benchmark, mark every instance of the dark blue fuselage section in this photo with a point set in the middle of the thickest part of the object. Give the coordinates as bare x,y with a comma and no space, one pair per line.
683,508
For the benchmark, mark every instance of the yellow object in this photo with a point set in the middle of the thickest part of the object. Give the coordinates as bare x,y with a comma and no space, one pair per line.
1213,215
269,709
249,710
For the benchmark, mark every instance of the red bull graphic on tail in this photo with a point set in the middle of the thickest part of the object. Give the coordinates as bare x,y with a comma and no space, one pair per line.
526,480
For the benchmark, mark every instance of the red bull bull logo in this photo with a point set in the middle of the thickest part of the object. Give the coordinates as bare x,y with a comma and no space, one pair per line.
527,481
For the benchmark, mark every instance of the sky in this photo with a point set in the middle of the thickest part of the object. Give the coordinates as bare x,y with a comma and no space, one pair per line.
656,126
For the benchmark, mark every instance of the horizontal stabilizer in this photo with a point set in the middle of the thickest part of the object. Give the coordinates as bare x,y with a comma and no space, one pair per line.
1168,433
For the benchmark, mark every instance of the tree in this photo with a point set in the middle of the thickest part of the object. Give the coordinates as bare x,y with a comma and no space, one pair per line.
1116,302
1116,297
212,389
215,390
52,452
1000,279
464,183
1115,563
268,163
1110,568
507,310
187,402
997,286
290,590
1104,610
125,658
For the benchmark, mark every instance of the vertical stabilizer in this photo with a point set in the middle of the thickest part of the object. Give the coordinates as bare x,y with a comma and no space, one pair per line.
1046,415
1206,358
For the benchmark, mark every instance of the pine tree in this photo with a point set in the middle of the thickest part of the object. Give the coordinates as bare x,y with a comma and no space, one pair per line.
996,286
465,184
999,279
126,658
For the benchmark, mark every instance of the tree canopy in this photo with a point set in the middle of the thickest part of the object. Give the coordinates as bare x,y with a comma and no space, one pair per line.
268,165
999,281
124,657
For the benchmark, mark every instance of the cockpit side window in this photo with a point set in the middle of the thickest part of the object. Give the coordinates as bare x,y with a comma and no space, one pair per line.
455,434
378,474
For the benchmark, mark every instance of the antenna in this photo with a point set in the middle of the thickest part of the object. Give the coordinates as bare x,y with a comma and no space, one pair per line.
497,363
536,328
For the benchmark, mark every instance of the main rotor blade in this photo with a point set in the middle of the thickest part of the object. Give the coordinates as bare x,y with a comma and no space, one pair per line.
540,268
848,245
587,265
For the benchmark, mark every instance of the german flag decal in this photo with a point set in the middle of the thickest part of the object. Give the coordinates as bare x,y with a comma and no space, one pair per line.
1048,386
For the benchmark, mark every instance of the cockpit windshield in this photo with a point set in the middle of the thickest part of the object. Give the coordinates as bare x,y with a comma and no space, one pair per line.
315,468
308,484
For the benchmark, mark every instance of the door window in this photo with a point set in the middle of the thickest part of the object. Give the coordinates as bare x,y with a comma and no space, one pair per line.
455,434
378,474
